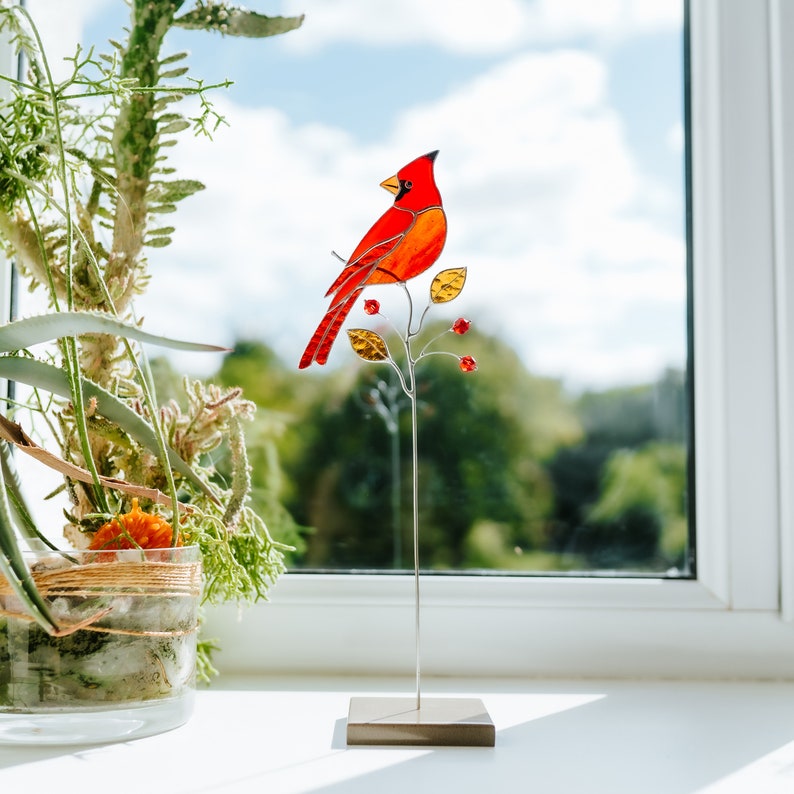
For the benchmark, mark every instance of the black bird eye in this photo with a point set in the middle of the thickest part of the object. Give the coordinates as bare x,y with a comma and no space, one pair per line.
405,186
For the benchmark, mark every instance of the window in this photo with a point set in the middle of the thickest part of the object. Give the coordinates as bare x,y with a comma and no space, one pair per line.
727,621
563,185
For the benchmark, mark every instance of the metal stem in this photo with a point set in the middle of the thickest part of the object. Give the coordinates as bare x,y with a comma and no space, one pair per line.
411,392
416,539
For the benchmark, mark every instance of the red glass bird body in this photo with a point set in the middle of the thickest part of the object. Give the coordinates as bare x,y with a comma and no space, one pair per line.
404,242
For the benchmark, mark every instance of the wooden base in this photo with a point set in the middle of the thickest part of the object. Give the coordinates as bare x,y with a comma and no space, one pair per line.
440,722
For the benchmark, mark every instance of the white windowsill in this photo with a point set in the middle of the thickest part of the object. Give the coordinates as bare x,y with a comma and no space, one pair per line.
492,626
288,735
521,592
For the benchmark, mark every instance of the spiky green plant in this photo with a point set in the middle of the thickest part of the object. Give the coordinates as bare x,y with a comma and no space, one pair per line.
84,180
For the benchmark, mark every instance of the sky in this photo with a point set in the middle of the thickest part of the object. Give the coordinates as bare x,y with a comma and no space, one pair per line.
558,124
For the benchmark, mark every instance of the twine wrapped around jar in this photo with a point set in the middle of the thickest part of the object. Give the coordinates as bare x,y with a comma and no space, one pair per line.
129,578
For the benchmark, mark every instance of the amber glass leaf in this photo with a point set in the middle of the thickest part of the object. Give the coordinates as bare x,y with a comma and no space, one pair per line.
447,285
368,345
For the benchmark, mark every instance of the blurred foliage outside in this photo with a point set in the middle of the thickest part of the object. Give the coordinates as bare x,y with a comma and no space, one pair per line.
515,474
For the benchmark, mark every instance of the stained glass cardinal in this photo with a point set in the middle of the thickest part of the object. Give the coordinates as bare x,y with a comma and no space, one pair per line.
404,242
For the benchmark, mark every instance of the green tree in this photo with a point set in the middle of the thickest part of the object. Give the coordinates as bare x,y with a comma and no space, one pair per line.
632,415
641,512
620,493
482,440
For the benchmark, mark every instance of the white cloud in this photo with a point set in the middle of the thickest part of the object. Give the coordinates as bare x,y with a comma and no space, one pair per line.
474,27
456,25
60,24
560,20
545,207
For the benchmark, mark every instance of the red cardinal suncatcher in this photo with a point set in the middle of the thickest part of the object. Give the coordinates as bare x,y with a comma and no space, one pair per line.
405,241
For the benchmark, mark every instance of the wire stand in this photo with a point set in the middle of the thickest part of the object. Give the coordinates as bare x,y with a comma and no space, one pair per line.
442,722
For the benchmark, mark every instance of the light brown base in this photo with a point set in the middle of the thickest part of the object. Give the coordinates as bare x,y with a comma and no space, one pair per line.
440,722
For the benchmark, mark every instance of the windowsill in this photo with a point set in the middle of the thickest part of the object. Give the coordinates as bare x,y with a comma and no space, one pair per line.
513,627
288,735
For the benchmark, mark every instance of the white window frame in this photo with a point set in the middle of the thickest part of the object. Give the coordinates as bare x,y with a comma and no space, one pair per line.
733,620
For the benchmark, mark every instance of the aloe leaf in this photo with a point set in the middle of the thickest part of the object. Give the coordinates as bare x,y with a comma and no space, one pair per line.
16,573
21,334
20,511
52,379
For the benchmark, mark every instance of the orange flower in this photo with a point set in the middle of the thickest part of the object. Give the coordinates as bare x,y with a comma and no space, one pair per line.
135,529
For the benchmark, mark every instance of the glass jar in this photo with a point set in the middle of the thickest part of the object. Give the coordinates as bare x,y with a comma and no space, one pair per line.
128,671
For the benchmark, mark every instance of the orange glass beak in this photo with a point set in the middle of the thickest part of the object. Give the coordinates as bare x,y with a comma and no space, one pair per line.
392,184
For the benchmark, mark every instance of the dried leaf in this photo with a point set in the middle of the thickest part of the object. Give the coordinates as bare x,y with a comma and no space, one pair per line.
14,434
368,345
40,375
447,285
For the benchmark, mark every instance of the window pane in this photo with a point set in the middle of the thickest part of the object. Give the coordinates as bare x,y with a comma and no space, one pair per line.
561,167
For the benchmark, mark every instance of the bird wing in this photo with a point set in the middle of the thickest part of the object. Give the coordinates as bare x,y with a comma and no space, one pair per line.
381,240
421,246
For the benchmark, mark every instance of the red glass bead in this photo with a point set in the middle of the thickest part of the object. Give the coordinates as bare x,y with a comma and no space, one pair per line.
467,364
371,306
461,325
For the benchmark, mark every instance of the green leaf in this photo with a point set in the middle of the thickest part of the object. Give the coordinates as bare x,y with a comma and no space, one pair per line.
22,334
175,190
54,380
172,73
14,570
166,118
173,58
237,22
164,101
20,511
174,127
163,230
157,242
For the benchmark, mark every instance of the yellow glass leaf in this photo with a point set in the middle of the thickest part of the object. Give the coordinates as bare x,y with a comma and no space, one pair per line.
368,345
447,285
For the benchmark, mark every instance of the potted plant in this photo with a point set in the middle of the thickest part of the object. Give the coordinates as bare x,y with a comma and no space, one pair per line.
107,619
